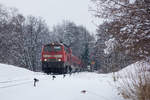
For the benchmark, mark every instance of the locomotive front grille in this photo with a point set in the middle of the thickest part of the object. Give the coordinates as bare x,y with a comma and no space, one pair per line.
52,64
52,60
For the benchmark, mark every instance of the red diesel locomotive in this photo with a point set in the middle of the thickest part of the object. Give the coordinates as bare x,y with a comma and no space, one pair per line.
58,58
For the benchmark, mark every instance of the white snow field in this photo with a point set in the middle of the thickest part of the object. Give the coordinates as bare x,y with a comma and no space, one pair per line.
17,84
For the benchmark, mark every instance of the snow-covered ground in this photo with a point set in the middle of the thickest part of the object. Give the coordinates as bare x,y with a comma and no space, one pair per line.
17,84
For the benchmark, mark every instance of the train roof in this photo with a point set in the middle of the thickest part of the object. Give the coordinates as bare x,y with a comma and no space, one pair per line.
57,43
53,43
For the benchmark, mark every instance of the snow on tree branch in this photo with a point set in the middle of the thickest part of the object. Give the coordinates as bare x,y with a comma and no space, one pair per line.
111,45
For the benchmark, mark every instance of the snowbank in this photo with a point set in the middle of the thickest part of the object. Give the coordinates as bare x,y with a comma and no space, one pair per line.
133,81
12,72
135,69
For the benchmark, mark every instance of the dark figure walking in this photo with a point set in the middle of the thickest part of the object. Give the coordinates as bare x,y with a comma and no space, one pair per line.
35,81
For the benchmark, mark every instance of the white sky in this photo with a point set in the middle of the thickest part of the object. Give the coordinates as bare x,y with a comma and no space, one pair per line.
54,11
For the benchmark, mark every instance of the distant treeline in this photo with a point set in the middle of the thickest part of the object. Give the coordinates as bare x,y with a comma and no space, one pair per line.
22,37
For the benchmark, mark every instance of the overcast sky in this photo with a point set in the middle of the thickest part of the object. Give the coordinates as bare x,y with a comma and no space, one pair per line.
54,11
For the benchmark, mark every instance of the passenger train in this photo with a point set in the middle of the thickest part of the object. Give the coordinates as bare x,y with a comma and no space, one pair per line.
58,58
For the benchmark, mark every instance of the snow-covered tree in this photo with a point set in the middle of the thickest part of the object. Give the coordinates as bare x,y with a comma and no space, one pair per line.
21,38
130,24
36,34
106,57
72,35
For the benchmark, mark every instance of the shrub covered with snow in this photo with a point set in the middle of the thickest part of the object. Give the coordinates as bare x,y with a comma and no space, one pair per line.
134,81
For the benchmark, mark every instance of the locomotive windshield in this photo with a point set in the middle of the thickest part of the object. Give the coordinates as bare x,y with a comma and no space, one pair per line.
50,48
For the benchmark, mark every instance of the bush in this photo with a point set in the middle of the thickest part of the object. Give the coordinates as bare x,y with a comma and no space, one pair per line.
134,83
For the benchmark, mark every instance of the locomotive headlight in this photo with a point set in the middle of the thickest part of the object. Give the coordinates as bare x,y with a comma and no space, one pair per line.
45,59
59,59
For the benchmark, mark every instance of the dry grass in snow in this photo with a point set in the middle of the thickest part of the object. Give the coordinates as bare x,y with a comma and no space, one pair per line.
133,82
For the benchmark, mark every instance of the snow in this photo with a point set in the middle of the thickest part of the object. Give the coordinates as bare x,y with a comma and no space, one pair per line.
132,1
135,69
111,44
17,84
